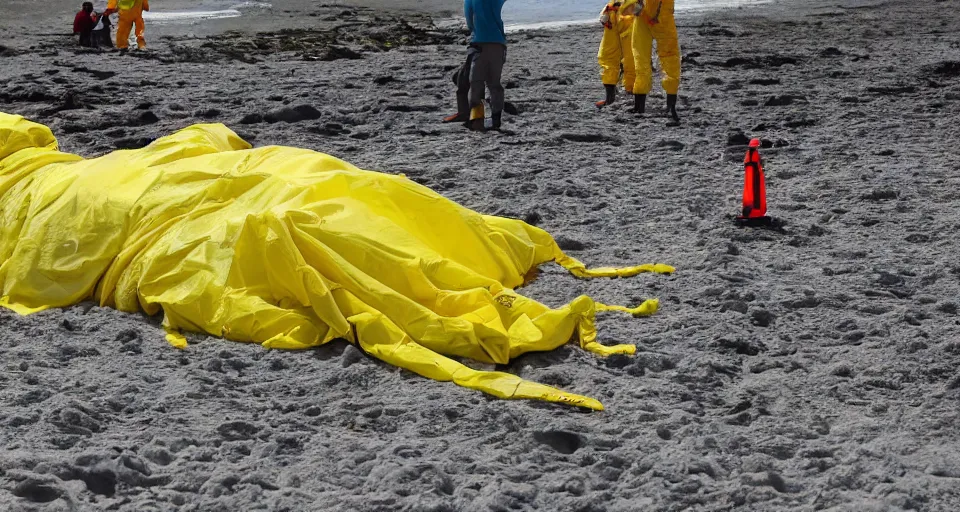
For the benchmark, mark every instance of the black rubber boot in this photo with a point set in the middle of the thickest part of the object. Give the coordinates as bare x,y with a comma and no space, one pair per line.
611,91
672,107
639,103
497,118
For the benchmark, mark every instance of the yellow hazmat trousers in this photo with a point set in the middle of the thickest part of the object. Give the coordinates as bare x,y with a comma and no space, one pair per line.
616,46
131,13
656,22
284,247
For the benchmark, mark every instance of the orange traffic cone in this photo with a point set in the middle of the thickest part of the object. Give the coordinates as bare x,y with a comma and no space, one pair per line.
754,188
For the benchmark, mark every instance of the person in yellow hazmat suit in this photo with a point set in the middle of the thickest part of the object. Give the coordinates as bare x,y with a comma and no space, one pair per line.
131,13
616,50
654,21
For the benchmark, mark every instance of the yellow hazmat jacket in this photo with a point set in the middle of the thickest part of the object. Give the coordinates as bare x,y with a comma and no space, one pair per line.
655,21
131,15
135,6
616,46
284,247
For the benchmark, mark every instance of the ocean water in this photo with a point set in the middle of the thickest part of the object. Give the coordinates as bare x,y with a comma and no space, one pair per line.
523,14
517,14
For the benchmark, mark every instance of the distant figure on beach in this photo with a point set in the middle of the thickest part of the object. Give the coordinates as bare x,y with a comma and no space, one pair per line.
131,13
83,24
101,32
487,55
654,20
616,50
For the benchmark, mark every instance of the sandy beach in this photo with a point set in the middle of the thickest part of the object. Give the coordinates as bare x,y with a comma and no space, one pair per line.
812,368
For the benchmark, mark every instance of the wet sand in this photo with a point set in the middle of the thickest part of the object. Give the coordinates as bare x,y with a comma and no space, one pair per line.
813,368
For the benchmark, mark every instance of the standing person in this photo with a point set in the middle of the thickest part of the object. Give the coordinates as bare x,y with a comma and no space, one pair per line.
83,24
616,50
101,33
489,42
461,79
654,20
131,13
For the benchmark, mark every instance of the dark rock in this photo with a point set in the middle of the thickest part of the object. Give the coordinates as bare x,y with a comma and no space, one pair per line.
237,430
949,308
590,138
252,119
292,114
737,138
350,356
770,61
133,142
664,433
949,69
893,90
888,279
717,32
411,108
804,303
37,491
146,118
881,195
100,481
569,244
734,305
618,361
334,52
209,113
854,337
533,218
783,100
561,441
762,317
742,347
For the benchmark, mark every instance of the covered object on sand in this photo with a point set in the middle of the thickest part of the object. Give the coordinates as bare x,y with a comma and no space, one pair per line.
285,247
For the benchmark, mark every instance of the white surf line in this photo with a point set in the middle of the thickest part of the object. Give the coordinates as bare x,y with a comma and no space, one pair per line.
173,16
176,16
513,28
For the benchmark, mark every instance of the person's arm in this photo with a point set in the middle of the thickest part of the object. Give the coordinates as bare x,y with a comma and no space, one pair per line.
111,8
468,13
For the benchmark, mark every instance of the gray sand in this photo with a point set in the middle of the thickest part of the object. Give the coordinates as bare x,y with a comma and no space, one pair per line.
810,369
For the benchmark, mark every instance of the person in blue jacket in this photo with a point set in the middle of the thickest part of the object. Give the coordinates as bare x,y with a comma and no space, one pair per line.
488,52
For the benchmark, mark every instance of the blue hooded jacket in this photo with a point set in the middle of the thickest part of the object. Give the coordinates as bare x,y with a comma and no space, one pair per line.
485,21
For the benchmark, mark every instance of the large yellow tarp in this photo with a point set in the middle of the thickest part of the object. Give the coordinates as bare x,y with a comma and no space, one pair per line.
284,247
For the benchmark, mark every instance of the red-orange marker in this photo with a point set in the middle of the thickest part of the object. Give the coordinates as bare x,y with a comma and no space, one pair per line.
754,186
